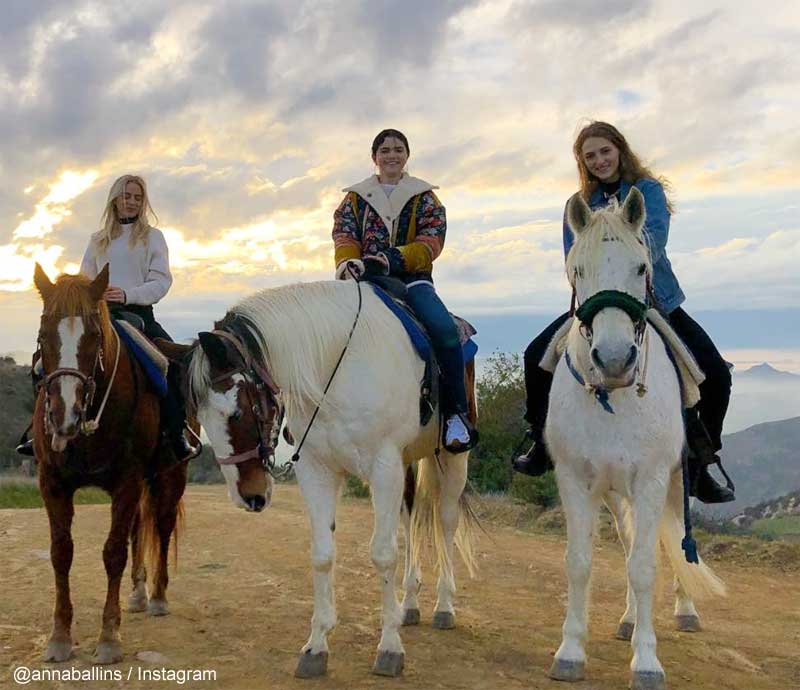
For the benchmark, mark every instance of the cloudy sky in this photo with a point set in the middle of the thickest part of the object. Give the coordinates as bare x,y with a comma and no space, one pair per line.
248,117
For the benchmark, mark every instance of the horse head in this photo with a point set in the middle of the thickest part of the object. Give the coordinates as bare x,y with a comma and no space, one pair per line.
609,268
241,413
74,329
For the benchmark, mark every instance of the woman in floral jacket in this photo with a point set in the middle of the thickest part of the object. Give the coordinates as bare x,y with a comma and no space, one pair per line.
394,224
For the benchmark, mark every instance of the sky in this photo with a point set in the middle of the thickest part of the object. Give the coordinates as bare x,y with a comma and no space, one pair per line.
247,118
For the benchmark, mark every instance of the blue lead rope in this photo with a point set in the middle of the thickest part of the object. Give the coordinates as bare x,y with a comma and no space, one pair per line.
688,544
600,394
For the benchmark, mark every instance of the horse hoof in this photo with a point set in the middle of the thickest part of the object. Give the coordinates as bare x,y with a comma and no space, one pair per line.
411,617
443,620
108,653
389,664
57,651
570,671
625,631
648,680
137,603
687,624
157,607
311,665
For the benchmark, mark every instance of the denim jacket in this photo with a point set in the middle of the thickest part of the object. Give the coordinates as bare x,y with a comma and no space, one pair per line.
656,231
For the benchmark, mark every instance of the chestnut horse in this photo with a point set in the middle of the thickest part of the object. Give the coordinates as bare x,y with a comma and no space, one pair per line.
96,422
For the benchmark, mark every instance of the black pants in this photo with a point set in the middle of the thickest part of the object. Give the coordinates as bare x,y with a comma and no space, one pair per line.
173,405
715,391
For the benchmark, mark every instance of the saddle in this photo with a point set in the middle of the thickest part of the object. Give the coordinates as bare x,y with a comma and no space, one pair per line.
392,293
689,373
151,359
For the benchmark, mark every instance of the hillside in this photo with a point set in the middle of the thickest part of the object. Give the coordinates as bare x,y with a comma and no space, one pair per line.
16,407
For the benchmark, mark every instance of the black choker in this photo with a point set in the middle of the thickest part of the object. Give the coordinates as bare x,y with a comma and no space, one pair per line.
125,221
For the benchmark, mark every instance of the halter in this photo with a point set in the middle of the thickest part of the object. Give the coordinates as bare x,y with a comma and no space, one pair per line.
266,406
86,427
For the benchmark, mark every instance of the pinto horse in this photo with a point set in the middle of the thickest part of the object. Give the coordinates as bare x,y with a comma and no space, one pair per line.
96,422
617,442
345,371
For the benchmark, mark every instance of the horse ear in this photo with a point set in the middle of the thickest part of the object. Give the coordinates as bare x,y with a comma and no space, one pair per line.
215,349
99,284
578,214
42,282
633,210
172,351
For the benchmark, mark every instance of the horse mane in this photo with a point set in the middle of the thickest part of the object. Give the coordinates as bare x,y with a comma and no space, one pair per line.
606,225
301,331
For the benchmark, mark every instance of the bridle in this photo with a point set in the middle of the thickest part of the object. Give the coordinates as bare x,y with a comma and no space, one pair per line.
86,427
266,404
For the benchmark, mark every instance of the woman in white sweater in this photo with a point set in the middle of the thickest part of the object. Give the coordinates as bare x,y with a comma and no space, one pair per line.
139,276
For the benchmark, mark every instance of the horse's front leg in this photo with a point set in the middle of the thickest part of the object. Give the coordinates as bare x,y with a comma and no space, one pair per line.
580,508
453,481
648,504
124,504
60,511
320,489
387,494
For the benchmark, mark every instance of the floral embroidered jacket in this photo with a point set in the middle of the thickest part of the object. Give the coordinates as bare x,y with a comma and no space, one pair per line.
408,227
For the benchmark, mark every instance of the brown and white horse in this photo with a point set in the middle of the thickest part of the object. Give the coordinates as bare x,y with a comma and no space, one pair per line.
96,422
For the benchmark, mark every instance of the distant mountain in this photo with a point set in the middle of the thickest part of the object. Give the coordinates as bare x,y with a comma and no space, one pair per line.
765,372
16,408
764,463
775,508
19,356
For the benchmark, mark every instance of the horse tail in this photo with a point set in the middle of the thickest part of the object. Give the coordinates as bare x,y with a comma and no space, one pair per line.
427,529
151,513
696,578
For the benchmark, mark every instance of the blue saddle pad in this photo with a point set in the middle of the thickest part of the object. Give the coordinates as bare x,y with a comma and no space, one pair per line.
419,338
154,375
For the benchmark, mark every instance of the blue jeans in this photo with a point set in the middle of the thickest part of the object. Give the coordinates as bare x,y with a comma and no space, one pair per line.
441,328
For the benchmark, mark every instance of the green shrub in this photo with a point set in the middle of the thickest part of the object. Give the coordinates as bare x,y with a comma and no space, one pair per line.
541,491
355,488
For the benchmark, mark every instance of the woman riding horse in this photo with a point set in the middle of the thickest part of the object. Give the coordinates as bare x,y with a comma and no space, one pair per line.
393,224
608,169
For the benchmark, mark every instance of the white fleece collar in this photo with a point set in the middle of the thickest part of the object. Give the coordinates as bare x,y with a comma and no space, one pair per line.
389,207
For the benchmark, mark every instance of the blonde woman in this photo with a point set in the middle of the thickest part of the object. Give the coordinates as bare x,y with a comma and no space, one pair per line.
139,276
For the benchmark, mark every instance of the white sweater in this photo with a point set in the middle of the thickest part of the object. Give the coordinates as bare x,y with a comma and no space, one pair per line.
142,272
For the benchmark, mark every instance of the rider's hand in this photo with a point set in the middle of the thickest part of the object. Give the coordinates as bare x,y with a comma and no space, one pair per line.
377,264
352,268
114,294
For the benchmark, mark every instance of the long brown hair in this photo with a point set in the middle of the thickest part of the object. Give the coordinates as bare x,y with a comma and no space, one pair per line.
631,169
110,227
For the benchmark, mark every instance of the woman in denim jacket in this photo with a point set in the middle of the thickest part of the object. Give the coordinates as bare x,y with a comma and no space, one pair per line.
608,169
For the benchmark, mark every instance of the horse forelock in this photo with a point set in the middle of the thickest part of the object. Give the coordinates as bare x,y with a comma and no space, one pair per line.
606,225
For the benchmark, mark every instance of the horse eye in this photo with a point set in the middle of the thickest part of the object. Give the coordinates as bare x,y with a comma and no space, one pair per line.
642,269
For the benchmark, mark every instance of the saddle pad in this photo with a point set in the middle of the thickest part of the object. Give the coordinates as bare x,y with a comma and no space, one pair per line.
153,361
419,338
691,376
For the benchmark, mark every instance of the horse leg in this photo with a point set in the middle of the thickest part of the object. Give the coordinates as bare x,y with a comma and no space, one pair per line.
320,494
452,487
647,504
412,577
387,495
115,554
137,600
60,511
615,505
580,509
686,617
166,504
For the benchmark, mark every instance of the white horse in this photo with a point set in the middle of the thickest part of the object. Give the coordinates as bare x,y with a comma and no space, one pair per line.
368,425
613,441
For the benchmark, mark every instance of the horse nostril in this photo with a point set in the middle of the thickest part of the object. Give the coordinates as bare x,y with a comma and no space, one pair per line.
631,357
256,503
596,358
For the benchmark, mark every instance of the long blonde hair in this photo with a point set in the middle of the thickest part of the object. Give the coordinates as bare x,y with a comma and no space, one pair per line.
110,228
631,169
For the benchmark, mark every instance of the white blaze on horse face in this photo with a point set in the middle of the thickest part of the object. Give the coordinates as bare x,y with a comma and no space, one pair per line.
213,415
70,331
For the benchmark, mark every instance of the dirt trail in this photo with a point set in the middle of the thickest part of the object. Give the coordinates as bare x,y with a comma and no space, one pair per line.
241,605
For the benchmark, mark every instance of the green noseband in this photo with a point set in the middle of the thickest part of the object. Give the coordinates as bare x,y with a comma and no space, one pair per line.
611,298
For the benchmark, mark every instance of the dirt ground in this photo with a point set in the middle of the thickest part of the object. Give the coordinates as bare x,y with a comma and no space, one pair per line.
241,604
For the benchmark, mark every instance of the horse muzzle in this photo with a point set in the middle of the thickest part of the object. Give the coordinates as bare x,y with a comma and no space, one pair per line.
616,366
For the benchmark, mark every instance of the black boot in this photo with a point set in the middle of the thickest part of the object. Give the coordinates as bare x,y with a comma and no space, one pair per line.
25,447
536,461
702,454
